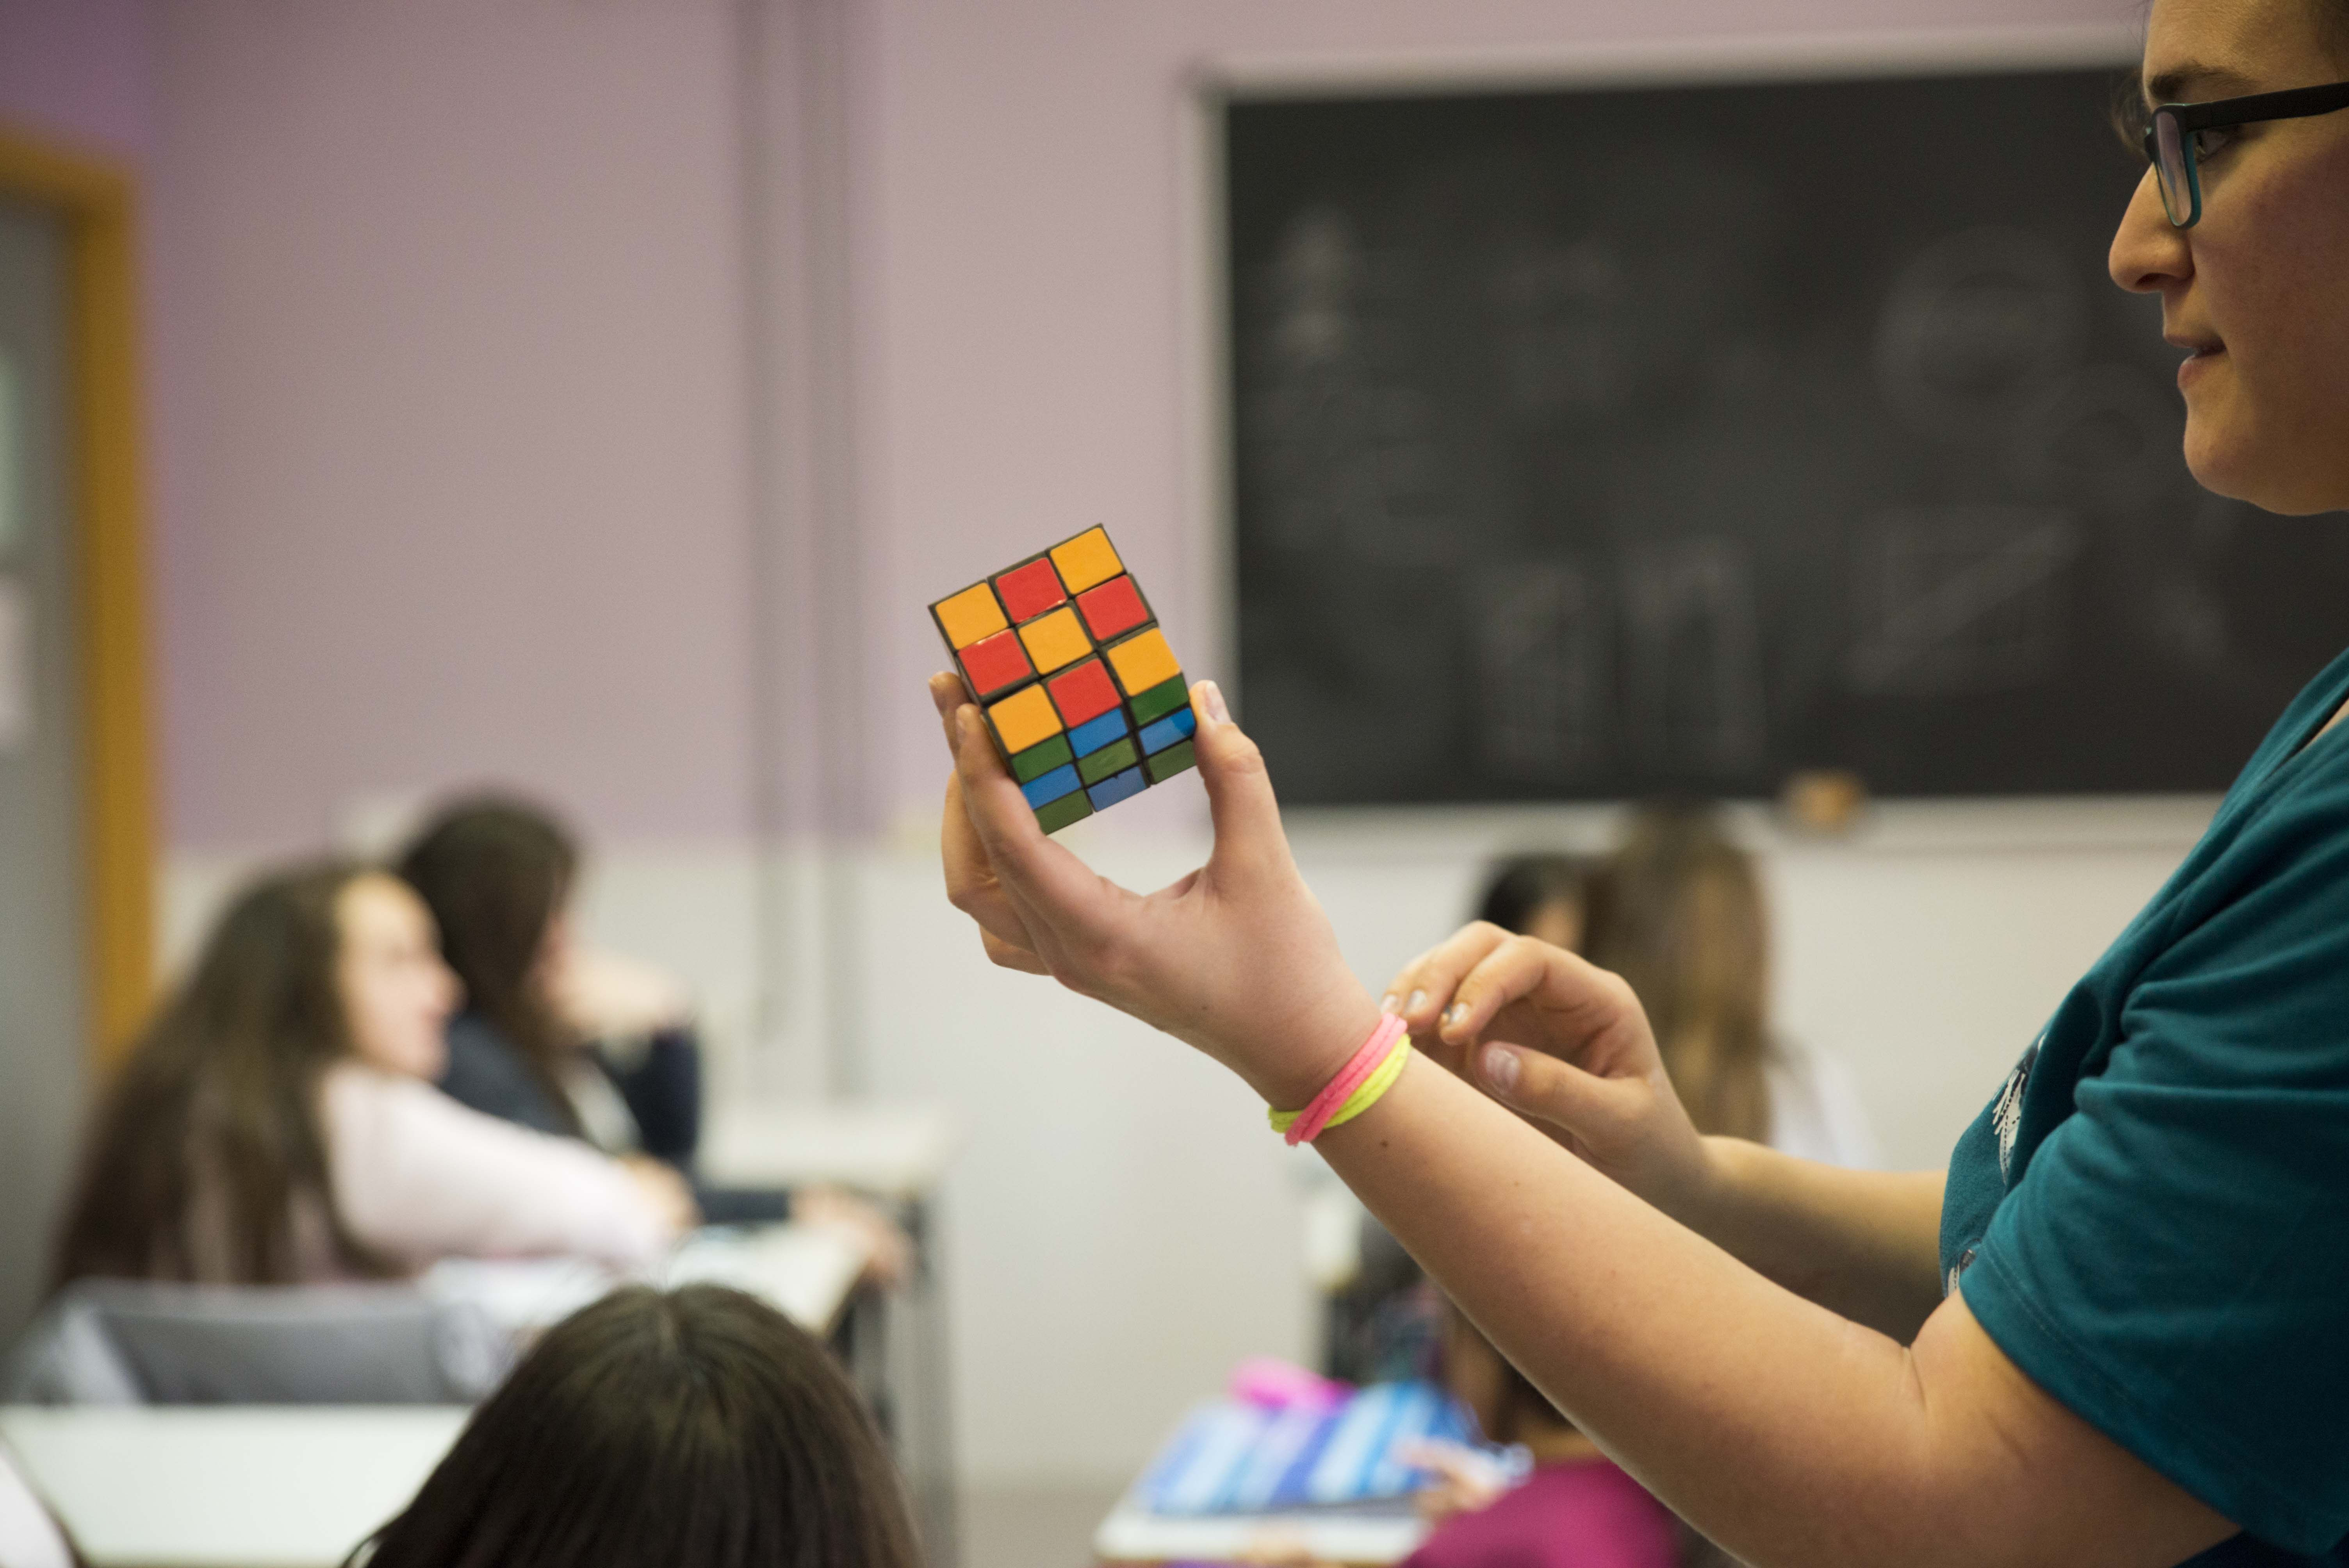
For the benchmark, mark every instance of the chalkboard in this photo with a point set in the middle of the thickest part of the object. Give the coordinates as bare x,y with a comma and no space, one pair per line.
1599,444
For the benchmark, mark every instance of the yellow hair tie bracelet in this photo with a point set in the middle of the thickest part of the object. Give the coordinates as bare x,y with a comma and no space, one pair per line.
1372,1088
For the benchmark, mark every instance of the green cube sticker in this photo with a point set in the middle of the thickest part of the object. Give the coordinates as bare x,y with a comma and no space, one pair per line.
1161,700
1041,759
1055,815
1161,766
1115,757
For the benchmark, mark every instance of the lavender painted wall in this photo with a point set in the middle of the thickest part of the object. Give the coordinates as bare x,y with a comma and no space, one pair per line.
450,338
81,70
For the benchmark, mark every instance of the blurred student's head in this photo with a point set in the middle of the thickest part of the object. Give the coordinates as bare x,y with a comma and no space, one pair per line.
206,1161
1541,896
497,874
1677,911
694,1429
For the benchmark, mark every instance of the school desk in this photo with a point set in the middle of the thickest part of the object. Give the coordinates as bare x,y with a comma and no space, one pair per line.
293,1486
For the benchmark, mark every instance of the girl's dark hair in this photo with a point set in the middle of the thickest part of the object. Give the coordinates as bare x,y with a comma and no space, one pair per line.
495,872
1677,911
693,1428
206,1161
1519,887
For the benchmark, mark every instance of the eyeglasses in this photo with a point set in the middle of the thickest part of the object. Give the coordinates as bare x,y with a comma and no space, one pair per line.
2174,136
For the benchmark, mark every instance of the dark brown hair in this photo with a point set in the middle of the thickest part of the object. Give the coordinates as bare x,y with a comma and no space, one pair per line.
1519,887
206,1160
1677,911
693,1428
495,872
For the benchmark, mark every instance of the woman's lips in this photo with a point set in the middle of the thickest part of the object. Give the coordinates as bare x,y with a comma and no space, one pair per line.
2197,363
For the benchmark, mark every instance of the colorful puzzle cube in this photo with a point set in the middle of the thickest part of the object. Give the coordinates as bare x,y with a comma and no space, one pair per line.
1085,700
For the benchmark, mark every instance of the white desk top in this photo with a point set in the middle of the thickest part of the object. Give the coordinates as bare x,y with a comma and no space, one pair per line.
287,1486
298,1485
1130,1535
896,1150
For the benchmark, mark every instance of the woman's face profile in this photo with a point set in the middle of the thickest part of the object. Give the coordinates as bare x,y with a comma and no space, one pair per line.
396,992
2258,291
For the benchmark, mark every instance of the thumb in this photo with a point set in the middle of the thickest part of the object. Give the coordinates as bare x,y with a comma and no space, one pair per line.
1239,792
1543,1086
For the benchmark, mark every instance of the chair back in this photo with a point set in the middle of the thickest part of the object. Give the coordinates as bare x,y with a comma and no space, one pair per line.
132,1342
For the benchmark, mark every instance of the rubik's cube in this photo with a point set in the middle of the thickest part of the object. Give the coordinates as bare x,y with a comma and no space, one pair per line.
1082,692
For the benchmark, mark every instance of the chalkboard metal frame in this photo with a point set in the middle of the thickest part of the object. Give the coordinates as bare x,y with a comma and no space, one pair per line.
1218,85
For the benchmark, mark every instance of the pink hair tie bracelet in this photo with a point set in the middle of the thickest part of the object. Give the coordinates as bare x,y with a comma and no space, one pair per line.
1366,1075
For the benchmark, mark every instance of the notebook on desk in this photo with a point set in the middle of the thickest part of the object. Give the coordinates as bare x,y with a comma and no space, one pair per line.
1230,1457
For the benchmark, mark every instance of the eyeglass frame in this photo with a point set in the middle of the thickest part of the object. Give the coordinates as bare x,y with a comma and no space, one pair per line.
2183,121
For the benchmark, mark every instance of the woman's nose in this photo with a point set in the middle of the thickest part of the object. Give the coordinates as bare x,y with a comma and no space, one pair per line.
2148,254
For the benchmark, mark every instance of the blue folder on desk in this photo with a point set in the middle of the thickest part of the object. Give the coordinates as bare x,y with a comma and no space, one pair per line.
1235,1457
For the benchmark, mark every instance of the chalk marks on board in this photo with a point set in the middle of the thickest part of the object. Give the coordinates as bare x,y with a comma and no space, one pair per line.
1680,624
1544,677
1975,324
1961,598
1347,440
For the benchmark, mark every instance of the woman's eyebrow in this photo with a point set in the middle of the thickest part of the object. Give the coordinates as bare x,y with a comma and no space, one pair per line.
2194,82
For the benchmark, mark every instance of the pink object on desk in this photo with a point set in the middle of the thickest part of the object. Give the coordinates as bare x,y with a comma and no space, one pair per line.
1277,1385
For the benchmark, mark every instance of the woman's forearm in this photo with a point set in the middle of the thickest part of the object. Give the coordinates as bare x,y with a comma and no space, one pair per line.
1788,1433
1863,1243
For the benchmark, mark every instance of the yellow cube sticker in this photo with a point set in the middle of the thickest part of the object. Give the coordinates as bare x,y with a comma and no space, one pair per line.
1143,661
1024,718
969,615
1086,561
1055,640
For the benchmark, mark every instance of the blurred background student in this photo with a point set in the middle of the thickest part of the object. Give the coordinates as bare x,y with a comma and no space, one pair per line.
1677,911
574,1042
276,1124
693,1428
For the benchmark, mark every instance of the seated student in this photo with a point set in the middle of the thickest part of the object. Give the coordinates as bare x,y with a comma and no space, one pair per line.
276,1124
694,1429
1676,909
570,1041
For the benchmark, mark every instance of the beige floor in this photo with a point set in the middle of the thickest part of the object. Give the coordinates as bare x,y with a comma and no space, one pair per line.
1032,1528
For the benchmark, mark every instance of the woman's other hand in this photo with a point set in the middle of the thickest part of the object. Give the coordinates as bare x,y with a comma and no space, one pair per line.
1565,1044
669,1194
1236,958
608,996
1467,1481
888,1251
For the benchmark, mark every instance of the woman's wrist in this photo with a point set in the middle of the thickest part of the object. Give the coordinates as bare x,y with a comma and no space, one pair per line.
1324,1039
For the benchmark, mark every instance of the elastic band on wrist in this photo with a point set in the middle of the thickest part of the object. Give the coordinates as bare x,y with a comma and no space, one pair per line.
1350,1093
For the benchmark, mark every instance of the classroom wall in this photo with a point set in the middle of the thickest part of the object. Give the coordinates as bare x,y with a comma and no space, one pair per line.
456,401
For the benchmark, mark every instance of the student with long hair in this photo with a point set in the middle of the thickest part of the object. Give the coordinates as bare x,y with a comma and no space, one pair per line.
569,1040
693,1428
1677,911
2109,1333
276,1122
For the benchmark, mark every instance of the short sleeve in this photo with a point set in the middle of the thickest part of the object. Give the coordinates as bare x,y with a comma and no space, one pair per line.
2173,1263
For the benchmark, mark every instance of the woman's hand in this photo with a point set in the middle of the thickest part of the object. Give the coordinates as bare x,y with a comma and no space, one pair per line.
1236,958
1567,1044
888,1251
608,996
670,1195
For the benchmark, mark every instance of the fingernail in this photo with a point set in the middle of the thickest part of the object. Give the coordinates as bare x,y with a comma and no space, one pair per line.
1211,698
1418,1000
1501,1068
1454,1013
1386,1003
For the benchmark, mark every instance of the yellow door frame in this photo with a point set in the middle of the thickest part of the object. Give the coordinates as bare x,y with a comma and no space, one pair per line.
97,200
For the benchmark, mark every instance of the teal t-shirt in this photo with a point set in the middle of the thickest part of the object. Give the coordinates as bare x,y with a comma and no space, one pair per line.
2152,1218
